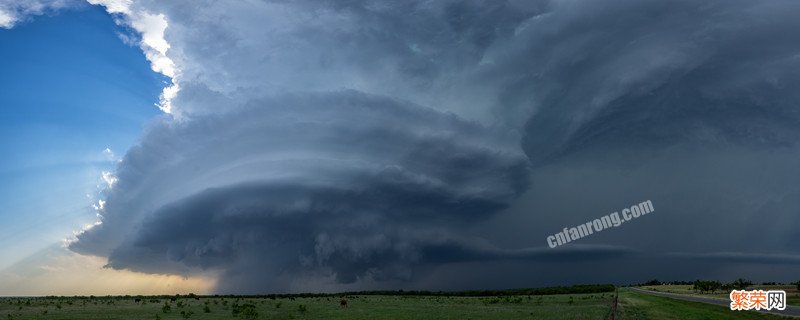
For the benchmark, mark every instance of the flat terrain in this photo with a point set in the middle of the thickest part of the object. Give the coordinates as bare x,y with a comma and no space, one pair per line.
632,305
635,305
575,306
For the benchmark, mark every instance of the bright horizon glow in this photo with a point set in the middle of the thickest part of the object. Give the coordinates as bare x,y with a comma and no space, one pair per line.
58,271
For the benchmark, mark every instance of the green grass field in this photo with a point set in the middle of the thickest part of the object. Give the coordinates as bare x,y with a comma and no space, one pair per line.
576,306
632,306
792,296
637,306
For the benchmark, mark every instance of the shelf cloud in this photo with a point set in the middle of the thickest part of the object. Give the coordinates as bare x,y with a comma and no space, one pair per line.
341,184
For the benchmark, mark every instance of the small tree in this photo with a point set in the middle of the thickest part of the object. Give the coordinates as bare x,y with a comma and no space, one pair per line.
714,286
206,309
653,282
741,284
702,286
166,308
248,311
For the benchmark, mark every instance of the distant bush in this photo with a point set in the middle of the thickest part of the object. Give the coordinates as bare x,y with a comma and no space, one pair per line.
206,309
653,282
741,284
248,311
705,286
245,311
166,308
302,308
576,289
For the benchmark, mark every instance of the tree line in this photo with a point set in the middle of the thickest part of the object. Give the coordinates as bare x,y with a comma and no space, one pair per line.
713,286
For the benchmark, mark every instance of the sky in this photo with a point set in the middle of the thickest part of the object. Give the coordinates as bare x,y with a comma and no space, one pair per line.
295,146
73,96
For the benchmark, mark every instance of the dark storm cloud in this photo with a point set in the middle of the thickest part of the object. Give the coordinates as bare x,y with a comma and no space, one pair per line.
651,74
689,105
738,257
420,164
344,184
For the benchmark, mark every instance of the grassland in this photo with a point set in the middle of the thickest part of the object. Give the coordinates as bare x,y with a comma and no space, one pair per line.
632,306
570,306
792,295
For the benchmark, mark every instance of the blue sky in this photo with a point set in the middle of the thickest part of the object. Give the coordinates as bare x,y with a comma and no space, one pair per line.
70,89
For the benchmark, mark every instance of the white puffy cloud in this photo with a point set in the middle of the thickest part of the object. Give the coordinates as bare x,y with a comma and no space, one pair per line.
151,27
14,11
429,53
6,19
114,6
109,179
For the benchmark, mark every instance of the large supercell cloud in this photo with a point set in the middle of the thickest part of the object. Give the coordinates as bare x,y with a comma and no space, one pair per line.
320,145
346,182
